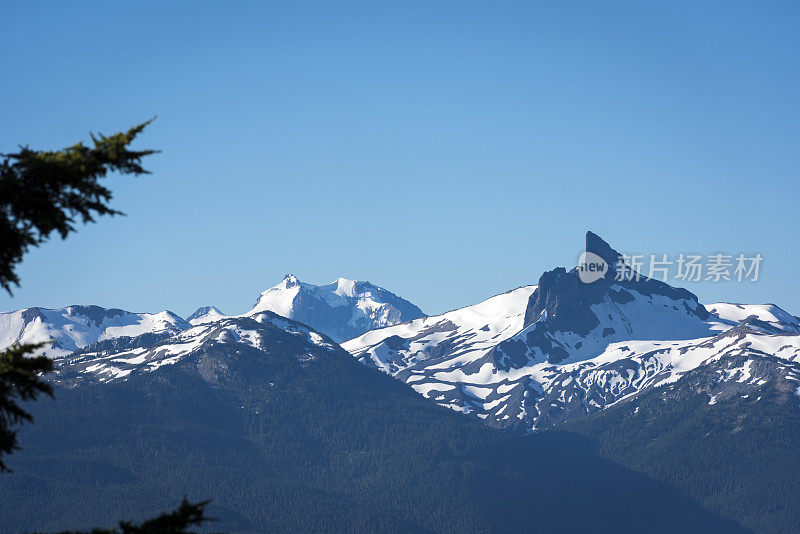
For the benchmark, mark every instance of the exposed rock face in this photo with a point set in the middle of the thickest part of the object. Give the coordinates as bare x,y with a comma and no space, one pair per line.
567,301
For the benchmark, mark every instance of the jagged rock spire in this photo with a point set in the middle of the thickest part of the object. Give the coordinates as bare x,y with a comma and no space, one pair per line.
596,245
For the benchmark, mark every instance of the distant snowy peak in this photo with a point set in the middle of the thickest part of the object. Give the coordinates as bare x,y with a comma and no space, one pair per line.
75,327
280,298
342,309
205,314
736,313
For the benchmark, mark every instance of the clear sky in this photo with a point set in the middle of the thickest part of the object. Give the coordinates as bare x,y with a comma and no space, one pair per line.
447,151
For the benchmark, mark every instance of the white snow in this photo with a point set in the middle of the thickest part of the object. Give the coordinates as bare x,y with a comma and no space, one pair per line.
76,327
368,306
739,312
474,330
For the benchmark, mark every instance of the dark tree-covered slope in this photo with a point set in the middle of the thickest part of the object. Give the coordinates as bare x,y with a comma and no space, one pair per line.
283,439
734,446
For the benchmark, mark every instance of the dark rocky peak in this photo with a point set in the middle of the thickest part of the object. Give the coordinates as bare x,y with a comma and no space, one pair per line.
567,300
596,245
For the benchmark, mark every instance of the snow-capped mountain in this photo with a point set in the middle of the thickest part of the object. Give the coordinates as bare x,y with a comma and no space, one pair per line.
543,354
75,327
342,309
205,314
264,332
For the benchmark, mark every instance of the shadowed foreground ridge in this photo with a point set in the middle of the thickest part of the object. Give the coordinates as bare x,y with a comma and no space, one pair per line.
279,442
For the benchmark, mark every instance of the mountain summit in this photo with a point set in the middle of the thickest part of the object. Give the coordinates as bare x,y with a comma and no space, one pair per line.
596,245
609,309
205,314
342,309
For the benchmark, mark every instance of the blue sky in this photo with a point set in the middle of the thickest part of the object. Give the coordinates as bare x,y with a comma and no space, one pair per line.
447,151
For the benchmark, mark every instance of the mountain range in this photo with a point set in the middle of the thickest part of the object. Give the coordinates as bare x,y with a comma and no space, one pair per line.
74,327
634,371
540,355
342,310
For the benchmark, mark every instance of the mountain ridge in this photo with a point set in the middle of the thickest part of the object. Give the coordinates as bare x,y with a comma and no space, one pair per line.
74,327
341,309
581,347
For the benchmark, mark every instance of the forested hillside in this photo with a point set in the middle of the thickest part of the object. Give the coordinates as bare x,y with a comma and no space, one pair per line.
300,444
736,452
